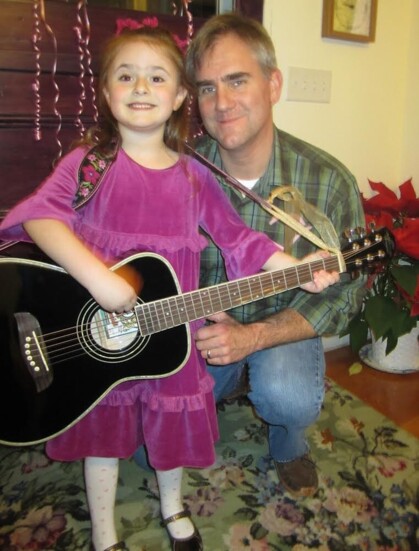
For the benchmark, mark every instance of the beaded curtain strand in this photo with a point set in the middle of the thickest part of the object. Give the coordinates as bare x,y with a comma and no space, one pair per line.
189,34
82,30
36,38
39,23
189,16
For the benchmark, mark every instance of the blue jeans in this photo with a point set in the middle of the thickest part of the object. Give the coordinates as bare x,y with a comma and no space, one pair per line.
287,391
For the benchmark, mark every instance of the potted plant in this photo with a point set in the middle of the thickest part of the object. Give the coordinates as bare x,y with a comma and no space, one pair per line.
390,308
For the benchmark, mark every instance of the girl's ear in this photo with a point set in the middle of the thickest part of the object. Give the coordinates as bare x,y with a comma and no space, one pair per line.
180,98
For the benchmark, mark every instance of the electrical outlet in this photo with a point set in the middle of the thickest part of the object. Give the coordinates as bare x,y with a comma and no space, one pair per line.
309,85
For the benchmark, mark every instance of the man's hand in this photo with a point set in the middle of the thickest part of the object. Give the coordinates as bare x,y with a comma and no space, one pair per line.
225,340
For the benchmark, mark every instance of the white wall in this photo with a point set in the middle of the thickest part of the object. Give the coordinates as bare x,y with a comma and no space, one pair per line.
372,121
410,141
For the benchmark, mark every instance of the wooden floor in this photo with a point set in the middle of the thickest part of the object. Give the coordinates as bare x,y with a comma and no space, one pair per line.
394,395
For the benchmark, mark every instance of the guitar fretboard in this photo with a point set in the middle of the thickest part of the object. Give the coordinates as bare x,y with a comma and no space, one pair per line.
160,315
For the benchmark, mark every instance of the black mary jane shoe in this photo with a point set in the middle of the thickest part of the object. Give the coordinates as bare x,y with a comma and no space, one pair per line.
193,543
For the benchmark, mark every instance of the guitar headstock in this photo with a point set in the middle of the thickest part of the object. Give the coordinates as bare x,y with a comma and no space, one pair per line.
367,251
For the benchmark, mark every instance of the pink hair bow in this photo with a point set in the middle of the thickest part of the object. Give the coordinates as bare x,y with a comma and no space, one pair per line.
132,24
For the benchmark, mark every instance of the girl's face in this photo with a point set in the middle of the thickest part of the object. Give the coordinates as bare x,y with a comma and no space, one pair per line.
142,88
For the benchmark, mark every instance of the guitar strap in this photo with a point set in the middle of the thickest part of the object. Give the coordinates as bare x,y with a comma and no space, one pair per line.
329,240
91,173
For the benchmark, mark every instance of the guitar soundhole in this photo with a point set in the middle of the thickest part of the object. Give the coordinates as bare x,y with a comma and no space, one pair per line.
109,337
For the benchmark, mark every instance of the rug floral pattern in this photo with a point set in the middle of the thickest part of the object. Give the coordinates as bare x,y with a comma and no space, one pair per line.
368,497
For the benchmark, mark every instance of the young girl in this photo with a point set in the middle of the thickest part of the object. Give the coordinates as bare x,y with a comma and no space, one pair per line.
154,199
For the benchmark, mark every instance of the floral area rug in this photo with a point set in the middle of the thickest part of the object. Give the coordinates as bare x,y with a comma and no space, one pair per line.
368,497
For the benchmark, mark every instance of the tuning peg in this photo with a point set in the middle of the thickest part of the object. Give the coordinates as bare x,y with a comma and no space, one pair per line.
350,234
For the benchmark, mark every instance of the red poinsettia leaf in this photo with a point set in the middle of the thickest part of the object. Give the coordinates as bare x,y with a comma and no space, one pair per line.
380,220
385,200
382,189
412,208
407,237
407,191
409,203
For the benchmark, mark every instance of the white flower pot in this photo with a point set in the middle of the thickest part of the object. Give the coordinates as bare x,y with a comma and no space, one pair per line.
403,359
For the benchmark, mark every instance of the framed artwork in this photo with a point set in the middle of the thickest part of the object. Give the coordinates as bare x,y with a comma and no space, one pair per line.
349,20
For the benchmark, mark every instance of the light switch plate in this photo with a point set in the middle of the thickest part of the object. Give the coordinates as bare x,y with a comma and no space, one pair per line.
310,85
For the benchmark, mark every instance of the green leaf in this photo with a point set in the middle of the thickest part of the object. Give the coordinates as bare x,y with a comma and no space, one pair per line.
258,531
246,513
391,341
381,313
401,324
246,461
229,452
355,368
358,333
406,277
250,500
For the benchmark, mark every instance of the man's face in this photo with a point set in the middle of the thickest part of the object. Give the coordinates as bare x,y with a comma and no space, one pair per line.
235,97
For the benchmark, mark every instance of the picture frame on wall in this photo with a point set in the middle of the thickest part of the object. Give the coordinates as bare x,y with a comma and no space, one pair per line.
353,20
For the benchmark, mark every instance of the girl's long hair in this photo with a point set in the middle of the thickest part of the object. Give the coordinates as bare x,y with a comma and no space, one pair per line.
105,135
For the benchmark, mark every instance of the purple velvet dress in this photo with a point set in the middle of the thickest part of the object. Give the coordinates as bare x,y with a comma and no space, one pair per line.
138,210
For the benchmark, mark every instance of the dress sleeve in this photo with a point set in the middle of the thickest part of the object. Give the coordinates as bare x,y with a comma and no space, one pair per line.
52,199
244,250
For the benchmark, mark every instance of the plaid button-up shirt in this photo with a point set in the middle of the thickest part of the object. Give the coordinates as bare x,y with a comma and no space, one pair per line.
324,182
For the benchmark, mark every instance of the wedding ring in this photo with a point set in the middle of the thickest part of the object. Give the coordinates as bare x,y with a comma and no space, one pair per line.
208,354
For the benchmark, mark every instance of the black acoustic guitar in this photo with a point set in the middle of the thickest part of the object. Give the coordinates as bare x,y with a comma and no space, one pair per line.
61,353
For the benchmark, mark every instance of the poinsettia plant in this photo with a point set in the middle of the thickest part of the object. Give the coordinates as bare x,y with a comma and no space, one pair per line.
390,307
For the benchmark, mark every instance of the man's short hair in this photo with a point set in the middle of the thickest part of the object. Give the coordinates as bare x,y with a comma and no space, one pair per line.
249,30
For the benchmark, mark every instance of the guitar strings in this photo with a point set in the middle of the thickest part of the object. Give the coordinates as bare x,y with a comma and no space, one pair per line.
65,343
72,338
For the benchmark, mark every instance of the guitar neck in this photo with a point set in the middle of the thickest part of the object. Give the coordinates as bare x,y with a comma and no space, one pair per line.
160,315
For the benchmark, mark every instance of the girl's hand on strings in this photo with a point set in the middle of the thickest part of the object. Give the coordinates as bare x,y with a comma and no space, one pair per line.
113,293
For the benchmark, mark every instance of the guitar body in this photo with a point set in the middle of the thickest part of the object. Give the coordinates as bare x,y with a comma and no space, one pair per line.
61,353
81,357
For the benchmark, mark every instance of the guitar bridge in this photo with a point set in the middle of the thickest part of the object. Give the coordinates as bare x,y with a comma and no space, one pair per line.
33,350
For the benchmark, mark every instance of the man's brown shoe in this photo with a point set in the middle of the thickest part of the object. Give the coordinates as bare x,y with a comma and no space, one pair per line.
299,477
